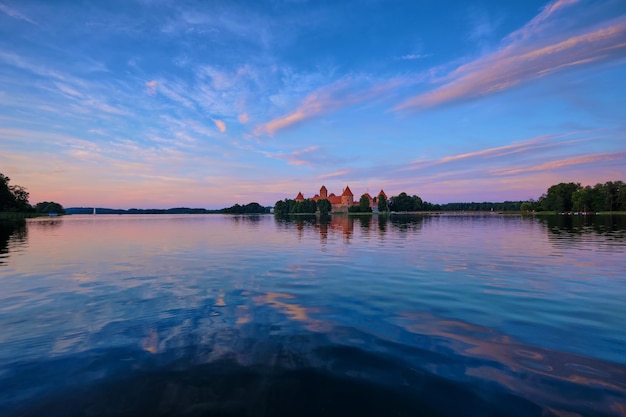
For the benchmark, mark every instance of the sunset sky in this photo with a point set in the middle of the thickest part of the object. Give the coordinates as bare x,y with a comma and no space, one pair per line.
160,103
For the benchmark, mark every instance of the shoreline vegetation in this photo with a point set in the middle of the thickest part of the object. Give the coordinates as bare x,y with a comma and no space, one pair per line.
563,198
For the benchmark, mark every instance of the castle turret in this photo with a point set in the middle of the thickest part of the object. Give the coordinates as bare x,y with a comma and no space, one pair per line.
323,192
299,197
347,198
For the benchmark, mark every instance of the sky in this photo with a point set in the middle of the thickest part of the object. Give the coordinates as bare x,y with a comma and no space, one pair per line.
161,103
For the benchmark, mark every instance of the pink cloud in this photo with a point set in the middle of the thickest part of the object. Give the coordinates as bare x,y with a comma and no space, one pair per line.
243,118
151,87
501,150
528,56
300,157
220,125
334,174
578,160
330,98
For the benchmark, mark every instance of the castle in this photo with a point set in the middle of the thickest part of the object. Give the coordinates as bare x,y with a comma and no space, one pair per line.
345,200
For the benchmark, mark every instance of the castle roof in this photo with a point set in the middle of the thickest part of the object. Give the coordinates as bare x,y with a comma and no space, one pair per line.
382,193
323,189
299,197
347,192
334,199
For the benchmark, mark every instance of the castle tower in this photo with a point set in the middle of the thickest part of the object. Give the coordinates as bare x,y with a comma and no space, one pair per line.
299,197
347,198
323,192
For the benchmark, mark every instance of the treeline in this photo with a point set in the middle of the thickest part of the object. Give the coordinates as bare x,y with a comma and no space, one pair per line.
251,208
567,197
400,203
14,199
484,206
176,210
291,206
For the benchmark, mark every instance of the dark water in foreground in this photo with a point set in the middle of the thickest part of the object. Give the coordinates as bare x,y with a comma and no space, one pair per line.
210,315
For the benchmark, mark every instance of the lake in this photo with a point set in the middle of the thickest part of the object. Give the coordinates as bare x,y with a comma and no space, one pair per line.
217,315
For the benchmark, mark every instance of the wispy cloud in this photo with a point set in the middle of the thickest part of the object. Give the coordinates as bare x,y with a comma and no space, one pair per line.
334,174
498,151
16,15
525,55
333,97
412,57
561,163
529,146
299,157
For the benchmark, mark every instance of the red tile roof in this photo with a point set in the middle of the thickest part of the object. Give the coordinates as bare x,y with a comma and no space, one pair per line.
299,197
334,199
347,192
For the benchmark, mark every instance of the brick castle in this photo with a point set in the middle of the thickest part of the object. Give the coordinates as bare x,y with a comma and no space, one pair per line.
345,200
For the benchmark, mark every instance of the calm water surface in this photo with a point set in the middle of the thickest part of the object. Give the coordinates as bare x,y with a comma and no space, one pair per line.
210,315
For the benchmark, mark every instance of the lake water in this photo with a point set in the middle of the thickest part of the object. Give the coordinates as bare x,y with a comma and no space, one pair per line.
211,315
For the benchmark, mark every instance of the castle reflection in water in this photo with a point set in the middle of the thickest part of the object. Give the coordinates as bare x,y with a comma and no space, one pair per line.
345,225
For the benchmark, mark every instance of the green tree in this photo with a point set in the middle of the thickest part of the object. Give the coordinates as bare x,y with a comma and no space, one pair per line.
364,204
526,206
417,203
582,199
559,197
324,206
13,197
402,202
382,203
49,207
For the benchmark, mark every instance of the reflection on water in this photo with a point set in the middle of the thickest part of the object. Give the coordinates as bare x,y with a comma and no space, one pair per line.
12,236
366,315
345,225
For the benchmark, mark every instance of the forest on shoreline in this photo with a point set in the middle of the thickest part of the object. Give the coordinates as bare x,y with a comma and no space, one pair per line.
563,197
560,198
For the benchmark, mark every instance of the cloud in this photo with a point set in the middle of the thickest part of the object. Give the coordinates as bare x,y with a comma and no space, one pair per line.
342,93
529,53
411,57
334,174
300,157
577,160
15,14
220,125
529,144
243,118
151,87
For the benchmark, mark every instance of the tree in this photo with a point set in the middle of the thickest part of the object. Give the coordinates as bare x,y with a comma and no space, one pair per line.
582,199
13,197
382,203
526,206
364,204
559,197
402,202
49,207
324,206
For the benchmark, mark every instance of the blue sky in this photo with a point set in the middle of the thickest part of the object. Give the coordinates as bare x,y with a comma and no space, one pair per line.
159,103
